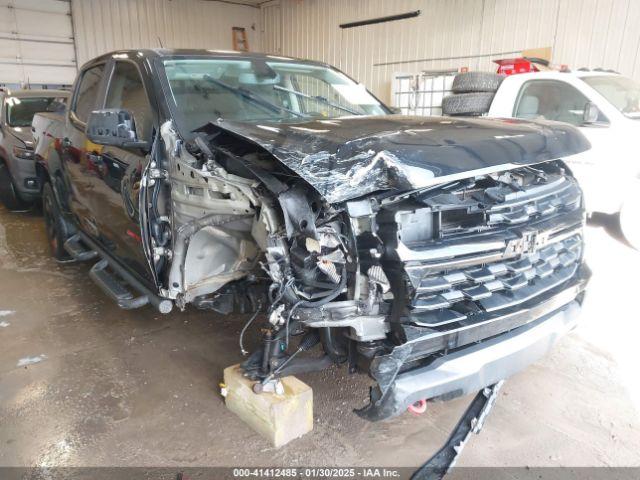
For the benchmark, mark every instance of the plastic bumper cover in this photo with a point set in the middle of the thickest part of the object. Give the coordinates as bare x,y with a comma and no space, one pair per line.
25,179
472,368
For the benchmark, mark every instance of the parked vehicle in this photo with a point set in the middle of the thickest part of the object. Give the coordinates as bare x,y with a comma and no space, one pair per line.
18,183
438,255
603,105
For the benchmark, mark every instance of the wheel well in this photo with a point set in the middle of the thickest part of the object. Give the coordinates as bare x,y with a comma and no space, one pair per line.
43,175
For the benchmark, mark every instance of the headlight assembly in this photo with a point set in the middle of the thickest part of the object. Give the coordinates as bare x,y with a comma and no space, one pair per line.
24,153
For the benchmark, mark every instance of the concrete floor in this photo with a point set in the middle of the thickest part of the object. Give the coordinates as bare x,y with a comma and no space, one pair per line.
139,389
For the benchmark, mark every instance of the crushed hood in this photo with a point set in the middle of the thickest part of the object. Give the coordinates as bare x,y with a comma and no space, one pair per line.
350,157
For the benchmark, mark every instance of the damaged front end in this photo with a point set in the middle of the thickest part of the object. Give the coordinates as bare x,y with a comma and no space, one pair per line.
486,274
481,273
454,287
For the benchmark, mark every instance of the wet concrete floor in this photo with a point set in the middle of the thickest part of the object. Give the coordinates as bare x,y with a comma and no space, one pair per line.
83,383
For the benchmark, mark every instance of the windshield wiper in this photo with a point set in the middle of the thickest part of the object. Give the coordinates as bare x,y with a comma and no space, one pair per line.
317,98
250,96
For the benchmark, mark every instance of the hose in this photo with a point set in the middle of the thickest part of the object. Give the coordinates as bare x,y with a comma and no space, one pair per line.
244,329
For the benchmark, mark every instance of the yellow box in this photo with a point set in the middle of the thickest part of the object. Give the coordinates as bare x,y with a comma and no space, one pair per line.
279,418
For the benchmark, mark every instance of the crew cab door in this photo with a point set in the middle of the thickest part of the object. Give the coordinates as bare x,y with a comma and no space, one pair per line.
116,197
77,153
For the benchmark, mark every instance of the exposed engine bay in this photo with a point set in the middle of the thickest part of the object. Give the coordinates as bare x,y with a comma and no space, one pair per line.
383,283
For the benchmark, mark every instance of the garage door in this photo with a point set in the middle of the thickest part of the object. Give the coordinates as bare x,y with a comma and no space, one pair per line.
36,42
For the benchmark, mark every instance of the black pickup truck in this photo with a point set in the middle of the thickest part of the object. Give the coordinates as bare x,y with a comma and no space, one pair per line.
438,255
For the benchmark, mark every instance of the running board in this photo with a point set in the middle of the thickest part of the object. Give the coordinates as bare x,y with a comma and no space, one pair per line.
118,283
115,288
76,248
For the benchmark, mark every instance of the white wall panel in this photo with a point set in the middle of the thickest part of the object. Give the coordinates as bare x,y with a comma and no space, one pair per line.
593,33
36,42
272,16
105,25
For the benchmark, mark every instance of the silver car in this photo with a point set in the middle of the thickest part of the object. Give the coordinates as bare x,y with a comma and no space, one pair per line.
19,186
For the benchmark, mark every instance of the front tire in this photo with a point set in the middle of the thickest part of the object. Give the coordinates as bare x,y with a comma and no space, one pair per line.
8,194
57,231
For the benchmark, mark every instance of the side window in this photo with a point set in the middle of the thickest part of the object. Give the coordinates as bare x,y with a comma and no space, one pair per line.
87,92
551,100
127,92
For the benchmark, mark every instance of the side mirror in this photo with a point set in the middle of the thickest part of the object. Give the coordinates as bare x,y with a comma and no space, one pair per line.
590,114
113,126
396,110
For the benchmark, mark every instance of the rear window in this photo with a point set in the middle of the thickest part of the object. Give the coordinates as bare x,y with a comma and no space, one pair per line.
20,111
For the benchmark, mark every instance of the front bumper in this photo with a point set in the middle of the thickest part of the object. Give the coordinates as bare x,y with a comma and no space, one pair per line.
472,368
25,180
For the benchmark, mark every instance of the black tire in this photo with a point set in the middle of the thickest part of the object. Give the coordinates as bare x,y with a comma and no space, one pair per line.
56,227
8,194
469,104
476,82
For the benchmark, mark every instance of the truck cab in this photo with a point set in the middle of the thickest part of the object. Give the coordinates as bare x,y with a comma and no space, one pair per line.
605,107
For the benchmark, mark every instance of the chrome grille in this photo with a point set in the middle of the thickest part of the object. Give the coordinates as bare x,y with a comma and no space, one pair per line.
472,251
519,207
451,295
501,206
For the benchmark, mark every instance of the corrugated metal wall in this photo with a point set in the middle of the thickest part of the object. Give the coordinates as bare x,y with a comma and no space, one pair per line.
594,33
105,25
272,37
36,42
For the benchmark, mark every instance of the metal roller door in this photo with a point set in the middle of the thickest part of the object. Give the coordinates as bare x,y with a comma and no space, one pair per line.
36,43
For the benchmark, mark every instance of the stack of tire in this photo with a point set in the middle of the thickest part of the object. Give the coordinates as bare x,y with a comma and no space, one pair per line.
473,93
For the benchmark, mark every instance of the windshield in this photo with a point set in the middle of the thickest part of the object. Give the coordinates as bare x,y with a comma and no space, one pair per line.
622,92
250,90
20,111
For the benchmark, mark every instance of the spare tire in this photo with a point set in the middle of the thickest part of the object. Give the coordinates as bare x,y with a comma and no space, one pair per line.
476,82
470,104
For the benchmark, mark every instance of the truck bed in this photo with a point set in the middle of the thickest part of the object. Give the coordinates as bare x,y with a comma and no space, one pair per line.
46,127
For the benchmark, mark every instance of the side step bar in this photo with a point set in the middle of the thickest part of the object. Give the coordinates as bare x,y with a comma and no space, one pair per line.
114,288
118,283
77,250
